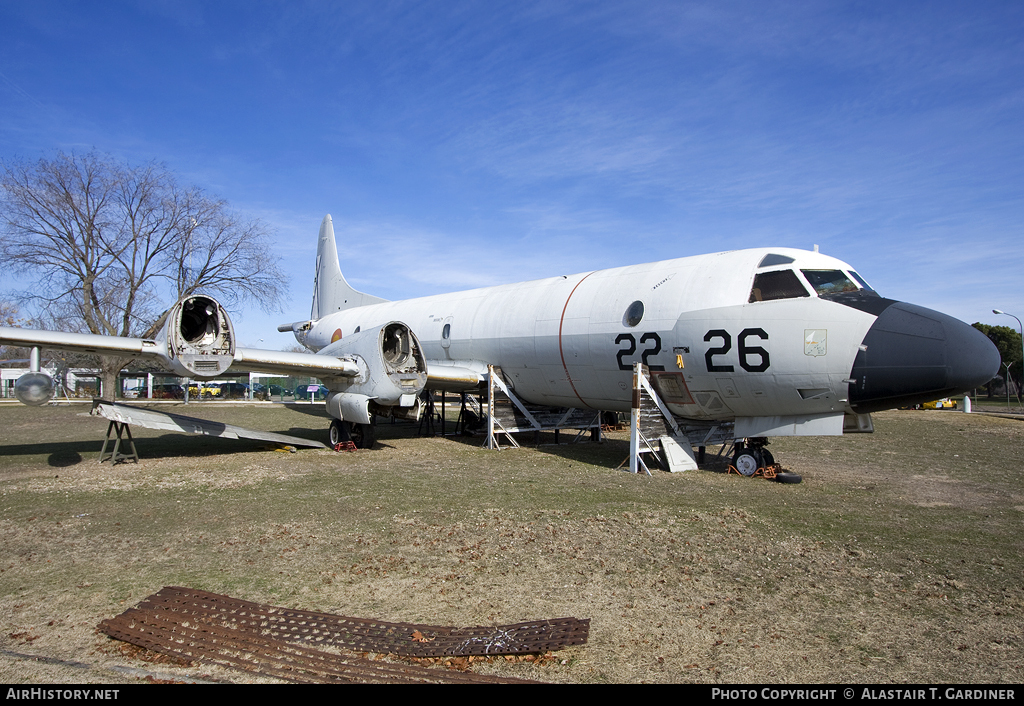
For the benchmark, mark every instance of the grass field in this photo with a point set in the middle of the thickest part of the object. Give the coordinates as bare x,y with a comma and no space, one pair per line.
898,559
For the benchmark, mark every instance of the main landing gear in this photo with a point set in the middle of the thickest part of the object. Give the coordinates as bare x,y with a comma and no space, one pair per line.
753,459
362,435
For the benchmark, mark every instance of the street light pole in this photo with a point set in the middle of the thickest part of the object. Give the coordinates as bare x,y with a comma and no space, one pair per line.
1000,311
1007,385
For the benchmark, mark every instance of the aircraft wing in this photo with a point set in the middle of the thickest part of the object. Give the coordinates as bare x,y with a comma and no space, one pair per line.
442,375
243,359
288,363
375,371
77,342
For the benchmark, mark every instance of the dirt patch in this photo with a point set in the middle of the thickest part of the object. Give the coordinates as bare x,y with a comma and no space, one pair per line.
897,559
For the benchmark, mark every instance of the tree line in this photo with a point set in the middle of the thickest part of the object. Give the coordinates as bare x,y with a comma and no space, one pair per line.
1008,341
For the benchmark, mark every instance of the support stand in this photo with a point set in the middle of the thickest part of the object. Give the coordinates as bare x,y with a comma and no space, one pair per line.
427,417
115,456
470,414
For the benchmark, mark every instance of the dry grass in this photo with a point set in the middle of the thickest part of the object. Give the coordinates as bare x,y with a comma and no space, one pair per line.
898,559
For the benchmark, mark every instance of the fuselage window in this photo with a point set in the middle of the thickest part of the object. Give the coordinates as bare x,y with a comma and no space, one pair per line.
829,281
783,284
446,332
634,314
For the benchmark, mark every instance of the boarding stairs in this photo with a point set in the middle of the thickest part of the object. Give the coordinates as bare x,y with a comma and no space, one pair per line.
506,415
667,440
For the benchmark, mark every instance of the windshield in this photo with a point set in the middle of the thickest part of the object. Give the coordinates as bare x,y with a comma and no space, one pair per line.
783,284
861,282
829,281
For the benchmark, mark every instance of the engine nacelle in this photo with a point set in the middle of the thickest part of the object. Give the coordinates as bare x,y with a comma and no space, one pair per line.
34,388
199,337
392,374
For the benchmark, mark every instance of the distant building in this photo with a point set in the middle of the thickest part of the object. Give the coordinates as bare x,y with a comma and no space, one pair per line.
81,382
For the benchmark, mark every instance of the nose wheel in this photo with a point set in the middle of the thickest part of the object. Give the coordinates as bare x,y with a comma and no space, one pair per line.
747,461
753,459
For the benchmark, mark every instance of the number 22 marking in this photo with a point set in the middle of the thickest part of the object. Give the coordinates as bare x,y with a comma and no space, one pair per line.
653,349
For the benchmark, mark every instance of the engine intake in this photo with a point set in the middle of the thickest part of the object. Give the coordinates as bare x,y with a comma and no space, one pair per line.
200,338
393,372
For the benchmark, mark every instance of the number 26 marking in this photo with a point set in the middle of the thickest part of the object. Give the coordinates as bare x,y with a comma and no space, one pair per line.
746,352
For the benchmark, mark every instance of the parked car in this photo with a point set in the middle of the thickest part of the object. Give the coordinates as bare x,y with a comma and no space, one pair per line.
278,390
307,392
209,389
168,391
233,391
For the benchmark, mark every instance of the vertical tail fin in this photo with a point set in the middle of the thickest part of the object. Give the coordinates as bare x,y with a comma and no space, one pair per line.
331,292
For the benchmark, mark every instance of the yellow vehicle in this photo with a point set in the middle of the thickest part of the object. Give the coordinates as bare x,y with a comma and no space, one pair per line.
210,390
944,403
204,390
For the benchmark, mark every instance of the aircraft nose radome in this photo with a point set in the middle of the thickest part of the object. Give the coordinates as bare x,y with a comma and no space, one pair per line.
912,355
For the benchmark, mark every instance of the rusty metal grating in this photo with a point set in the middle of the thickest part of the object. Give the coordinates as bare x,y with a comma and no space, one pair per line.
274,641
360,635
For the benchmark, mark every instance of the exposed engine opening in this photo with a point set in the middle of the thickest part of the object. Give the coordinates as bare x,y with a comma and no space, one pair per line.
200,339
199,321
396,347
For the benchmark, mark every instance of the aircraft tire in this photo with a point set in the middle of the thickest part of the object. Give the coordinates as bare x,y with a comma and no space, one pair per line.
747,461
337,433
364,435
786,477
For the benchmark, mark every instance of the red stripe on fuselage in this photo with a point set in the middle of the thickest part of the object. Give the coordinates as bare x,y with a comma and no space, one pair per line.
560,352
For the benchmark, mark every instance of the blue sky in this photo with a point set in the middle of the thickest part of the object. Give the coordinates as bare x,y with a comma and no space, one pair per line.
460,144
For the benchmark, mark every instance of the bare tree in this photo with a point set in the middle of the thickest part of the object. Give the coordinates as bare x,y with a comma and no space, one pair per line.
8,314
111,243
8,317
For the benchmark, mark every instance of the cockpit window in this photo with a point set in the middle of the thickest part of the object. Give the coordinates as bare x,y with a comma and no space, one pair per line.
782,284
829,281
861,282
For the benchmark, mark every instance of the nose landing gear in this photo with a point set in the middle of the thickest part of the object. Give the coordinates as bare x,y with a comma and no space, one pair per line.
753,459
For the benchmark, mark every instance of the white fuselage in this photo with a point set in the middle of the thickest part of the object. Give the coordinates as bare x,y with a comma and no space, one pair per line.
567,341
